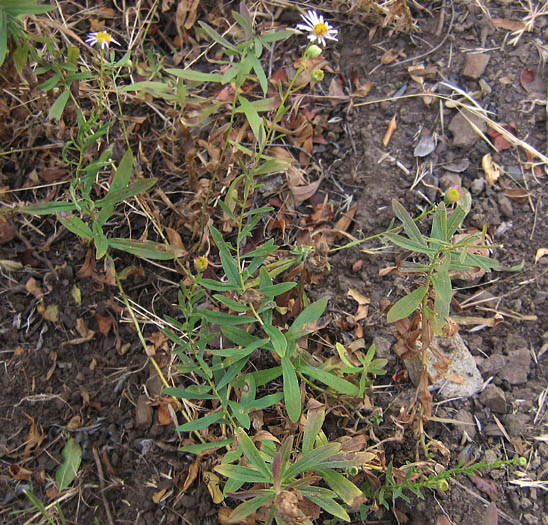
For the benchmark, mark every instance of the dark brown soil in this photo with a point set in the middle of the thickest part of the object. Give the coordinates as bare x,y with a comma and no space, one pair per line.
47,380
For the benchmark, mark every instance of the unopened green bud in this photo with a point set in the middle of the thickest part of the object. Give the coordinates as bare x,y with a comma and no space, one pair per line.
317,75
442,485
522,461
314,51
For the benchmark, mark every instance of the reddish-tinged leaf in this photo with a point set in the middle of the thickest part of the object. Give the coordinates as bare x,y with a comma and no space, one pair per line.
526,77
279,76
487,486
509,25
104,322
6,230
491,515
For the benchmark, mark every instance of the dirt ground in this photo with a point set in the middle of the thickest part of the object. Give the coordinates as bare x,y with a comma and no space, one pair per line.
52,376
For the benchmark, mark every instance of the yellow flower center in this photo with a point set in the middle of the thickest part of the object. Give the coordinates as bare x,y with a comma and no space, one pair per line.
103,37
320,29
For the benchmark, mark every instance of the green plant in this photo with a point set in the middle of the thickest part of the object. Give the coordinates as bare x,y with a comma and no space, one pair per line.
64,476
11,12
445,257
292,475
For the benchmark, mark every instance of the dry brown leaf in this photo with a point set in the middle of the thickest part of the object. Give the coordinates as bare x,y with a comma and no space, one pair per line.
192,475
487,486
509,25
157,496
346,220
517,194
75,422
387,270
34,288
104,322
541,252
212,481
358,297
363,89
361,313
388,57
300,191
454,378
491,169
185,16
6,230
392,126
175,239
53,357
336,91
164,415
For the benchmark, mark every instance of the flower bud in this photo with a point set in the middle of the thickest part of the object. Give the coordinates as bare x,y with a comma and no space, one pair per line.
452,195
314,51
201,263
317,75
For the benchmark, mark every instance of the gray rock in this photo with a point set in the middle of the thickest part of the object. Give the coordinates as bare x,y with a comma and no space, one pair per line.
493,364
475,64
493,397
505,206
382,347
450,180
516,368
516,424
465,416
462,366
477,186
464,135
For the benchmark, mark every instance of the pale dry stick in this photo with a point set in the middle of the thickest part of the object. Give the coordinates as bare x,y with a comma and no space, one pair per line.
102,483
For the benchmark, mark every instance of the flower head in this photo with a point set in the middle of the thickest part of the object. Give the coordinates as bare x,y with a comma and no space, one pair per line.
102,38
319,30
201,264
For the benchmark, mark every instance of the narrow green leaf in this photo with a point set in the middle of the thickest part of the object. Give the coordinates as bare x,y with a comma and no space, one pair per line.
455,220
274,290
123,172
67,470
345,489
195,76
221,40
311,460
261,377
45,208
261,76
218,286
229,264
314,422
187,393
279,342
246,508
231,303
273,36
225,319
146,249
337,383
241,473
202,447
409,244
439,224
264,402
406,305
115,196
443,292
252,454
327,504
292,392
77,226
310,314
409,225
232,372
57,108
253,118
200,423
